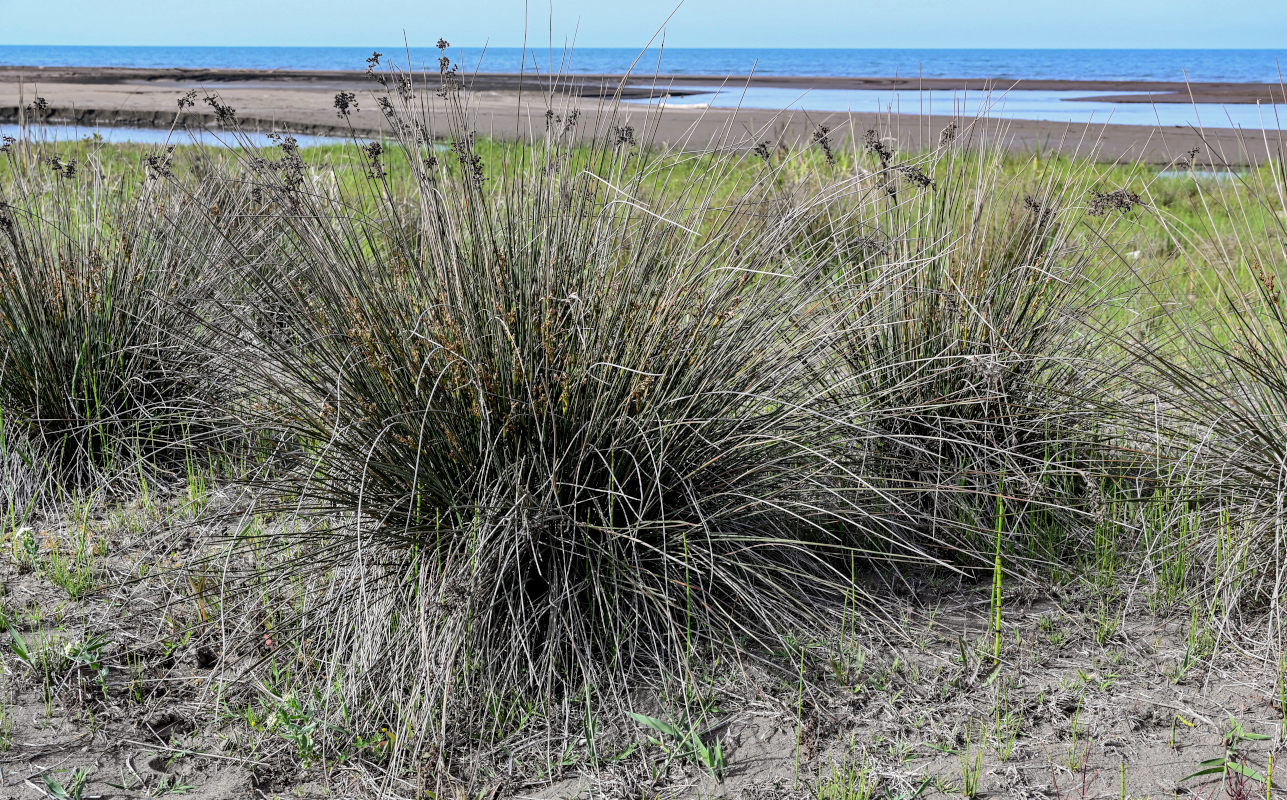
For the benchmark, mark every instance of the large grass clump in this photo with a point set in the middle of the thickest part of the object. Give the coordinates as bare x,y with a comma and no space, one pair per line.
1219,383
566,425
103,365
585,414
986,396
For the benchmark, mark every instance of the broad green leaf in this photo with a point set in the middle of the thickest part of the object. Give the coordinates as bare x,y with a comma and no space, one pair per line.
661,726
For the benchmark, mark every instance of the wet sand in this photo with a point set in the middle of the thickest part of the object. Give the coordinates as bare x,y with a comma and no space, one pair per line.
302,102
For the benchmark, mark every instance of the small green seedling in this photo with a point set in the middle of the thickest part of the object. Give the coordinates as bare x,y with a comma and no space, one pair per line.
1180,719
20,647
1231,763
73,790
89,655
690,741
971,766
173,784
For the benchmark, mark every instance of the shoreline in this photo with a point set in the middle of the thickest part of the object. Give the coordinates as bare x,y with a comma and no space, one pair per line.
304,104
602,84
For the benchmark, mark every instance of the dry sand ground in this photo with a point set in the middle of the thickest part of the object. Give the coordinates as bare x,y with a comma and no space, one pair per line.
303,103
1087,697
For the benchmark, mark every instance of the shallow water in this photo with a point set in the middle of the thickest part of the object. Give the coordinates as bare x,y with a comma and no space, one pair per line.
1215,174
116,135
1057,106
1051,105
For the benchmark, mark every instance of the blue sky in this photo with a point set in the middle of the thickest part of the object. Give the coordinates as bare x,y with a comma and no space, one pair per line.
622,23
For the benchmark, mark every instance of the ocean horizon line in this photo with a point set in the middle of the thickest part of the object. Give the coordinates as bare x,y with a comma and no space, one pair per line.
1244,65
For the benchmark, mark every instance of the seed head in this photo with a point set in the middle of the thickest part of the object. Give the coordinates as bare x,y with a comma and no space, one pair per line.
65,169
1039,209
345,104
226,114
569,122
1122,200
404,86
915,175
873,144
947,135
450,80
470,162
821,137
291,165
158,164
373,152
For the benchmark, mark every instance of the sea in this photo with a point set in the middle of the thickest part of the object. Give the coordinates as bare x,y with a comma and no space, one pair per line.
1240,66
1259,66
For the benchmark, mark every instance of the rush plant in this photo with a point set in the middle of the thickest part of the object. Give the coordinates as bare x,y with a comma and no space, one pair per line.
102,359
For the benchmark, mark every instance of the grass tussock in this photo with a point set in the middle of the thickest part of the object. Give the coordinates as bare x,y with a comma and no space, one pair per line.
105,366
969,366
1221,385
574,425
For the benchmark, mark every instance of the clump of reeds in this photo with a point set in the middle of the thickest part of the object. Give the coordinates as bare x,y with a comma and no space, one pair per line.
579,416
981,395
565,428
1218,385
101,357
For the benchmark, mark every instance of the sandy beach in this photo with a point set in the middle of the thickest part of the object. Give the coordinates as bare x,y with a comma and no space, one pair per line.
302,102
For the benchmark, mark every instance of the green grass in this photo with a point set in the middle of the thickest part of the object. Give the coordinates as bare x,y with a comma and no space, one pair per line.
1182,214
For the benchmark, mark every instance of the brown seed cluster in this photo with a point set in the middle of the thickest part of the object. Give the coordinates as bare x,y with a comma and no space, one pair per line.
1122,200
346,103
822,138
